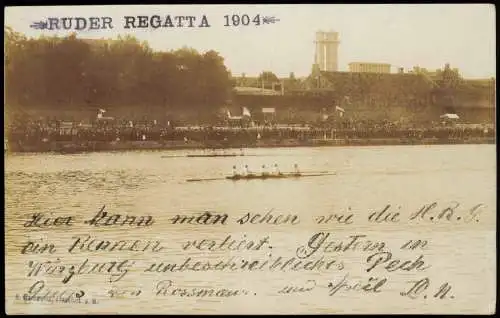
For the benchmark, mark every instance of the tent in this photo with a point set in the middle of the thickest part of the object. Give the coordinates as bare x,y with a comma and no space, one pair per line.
246,112
449,116
100,116
340,110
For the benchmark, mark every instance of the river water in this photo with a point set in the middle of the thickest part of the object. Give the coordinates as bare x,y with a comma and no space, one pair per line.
154,183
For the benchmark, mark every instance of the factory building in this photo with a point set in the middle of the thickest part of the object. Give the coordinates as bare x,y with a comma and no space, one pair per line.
326,54
362,67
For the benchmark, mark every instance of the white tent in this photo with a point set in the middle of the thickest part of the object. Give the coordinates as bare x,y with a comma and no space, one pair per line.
340,110
449,116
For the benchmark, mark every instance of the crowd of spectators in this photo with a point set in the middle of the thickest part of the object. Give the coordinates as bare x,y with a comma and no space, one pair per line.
35,132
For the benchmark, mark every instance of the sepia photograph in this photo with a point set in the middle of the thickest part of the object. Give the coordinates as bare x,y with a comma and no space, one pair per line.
250,159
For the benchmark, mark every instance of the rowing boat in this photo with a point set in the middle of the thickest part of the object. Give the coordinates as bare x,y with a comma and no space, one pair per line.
265,177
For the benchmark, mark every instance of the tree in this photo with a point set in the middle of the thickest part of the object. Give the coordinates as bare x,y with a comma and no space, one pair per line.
449,78
268,77
448,84
216,79
61,72
292,82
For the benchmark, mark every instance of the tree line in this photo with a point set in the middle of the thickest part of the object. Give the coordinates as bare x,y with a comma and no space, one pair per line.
73,73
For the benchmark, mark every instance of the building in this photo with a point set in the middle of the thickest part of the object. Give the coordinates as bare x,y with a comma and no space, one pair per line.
363,67
434,75
326,55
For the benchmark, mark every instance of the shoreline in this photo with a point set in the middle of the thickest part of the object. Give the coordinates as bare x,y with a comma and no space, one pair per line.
69,147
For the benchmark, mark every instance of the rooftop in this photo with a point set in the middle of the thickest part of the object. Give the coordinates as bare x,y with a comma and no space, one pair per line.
372,63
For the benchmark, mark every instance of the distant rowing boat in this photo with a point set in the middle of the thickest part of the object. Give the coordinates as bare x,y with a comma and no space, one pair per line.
215,155
265,177
227,155
212,155
73,149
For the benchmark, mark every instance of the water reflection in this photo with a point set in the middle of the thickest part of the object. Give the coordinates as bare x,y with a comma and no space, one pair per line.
147,183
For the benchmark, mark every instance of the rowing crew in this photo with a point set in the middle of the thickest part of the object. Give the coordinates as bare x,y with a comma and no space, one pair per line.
275,171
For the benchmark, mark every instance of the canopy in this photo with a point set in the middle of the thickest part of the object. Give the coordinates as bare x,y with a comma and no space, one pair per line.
241,90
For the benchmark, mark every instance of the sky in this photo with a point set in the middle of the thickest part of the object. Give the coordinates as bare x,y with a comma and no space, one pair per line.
403,35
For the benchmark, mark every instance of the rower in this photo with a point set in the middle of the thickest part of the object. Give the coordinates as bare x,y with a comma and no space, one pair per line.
276,169
296,169
235,172
264,172
247,171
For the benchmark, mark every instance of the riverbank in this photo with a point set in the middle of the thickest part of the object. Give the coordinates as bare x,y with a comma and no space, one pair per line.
71,147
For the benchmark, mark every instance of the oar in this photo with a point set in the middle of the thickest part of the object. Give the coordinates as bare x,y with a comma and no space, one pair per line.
313,172
208,179
319,175
324,171
309,174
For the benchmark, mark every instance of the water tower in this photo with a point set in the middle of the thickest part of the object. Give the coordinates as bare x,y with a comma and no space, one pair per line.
326,56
